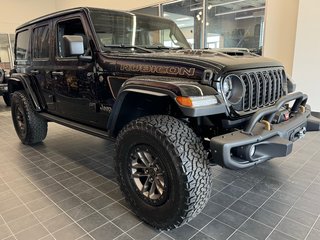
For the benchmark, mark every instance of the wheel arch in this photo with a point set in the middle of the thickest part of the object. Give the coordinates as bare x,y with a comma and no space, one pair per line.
20,81
135,103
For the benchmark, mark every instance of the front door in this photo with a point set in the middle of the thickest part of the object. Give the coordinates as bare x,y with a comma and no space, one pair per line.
74,79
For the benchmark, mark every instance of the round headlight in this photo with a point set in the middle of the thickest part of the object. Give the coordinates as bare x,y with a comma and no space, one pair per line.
227,87
232,88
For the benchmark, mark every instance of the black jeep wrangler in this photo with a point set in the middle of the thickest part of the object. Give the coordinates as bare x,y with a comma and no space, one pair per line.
4,87
172,110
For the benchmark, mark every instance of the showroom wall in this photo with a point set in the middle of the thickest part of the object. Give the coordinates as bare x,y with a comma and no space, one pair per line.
16,12
19,11
307,51
280,31
112,4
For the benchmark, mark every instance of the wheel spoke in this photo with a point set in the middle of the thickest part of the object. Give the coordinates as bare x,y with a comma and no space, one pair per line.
139,175
152,190
159,185
138,166
145,185
143,158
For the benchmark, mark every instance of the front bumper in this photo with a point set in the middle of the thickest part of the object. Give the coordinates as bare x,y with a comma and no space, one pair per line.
3,88
256,143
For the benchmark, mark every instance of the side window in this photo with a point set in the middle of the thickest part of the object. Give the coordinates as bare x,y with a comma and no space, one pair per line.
40,42
69,27
22,51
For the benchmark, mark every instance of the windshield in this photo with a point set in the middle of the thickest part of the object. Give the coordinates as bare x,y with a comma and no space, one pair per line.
117,29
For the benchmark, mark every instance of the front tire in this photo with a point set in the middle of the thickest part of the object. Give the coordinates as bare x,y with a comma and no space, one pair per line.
163,171
30,127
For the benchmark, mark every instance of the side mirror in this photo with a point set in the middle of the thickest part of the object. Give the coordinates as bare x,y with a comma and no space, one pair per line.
73,45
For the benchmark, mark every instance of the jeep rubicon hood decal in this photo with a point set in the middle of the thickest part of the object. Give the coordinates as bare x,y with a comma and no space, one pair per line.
167,70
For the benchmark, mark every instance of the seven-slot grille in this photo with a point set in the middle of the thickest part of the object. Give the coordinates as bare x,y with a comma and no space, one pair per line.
261,88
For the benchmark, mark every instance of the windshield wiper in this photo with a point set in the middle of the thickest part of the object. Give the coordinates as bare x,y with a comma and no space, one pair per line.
177,48
128,46
160,47
156,47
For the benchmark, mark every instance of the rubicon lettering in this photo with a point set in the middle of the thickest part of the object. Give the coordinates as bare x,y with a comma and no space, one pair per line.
183,71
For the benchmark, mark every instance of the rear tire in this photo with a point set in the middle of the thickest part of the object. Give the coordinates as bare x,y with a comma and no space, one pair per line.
163,171
7,100
30,127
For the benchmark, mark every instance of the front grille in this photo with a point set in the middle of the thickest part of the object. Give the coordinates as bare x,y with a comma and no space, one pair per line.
261,88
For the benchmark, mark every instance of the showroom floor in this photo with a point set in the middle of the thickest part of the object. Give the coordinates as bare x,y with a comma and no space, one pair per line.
66,189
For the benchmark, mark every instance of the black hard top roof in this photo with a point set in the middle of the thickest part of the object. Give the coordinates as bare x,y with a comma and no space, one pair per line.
65,12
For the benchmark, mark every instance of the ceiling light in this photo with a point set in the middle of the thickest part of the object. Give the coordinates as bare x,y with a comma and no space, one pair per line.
227,3
238,11
246,17
210,6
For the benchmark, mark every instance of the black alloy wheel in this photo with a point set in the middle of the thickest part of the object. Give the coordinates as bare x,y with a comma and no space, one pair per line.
148,175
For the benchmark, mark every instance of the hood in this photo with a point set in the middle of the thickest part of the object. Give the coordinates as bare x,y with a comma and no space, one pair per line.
189,63
223,60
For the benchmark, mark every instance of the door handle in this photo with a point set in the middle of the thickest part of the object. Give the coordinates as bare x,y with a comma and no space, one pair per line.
34,71
56,73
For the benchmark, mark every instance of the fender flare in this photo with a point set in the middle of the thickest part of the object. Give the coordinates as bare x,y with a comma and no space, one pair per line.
25,82
117,107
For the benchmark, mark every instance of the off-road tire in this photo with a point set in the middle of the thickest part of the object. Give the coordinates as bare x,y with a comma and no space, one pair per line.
6,99
183,157
35,128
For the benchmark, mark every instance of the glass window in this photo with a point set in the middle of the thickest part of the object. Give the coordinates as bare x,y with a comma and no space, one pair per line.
120,30
235,24
187,15
41,42
23,46
70,27
222,24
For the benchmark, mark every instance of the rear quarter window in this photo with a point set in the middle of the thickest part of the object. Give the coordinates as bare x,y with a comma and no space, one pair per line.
40,42
22,50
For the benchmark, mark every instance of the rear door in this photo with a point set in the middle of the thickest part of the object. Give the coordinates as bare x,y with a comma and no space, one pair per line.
41,66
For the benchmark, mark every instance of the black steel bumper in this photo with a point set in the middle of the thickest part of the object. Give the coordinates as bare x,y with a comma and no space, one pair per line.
3,88
260,141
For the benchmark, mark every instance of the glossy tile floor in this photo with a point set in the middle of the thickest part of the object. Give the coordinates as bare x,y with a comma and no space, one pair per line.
65,189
